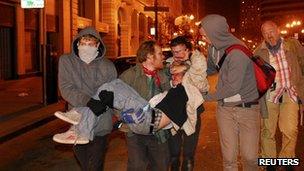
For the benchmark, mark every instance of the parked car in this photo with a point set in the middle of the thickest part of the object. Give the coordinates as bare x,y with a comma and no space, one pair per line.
123,63
167,52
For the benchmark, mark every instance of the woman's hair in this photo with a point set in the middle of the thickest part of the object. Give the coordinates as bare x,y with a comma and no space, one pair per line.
147,47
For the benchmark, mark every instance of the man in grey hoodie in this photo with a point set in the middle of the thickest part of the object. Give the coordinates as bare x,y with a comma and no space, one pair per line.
80,74
237,115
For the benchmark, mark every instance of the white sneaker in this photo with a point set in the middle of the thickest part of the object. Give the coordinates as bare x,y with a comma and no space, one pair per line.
71,116
70,137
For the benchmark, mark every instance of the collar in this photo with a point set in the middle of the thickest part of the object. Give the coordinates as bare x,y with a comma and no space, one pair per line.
285,42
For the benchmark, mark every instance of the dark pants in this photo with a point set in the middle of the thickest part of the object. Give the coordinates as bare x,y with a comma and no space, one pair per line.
187,143
91,156
144,150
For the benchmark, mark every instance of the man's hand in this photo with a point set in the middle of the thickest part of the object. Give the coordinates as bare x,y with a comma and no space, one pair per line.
97,106
174,69
107,97
130,117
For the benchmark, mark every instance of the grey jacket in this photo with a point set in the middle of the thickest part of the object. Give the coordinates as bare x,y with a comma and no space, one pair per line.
79,81
236,82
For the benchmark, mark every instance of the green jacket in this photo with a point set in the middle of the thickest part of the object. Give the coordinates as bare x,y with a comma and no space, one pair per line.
294,52
136,78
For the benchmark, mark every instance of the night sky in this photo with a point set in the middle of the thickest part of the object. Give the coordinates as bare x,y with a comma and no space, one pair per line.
228,8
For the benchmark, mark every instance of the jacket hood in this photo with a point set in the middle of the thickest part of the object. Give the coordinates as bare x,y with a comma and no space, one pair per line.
217,30
92,31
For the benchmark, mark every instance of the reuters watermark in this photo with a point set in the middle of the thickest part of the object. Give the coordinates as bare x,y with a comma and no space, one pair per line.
278,161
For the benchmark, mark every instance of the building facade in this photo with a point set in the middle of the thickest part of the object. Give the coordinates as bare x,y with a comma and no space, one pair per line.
27,33
288,14
250,22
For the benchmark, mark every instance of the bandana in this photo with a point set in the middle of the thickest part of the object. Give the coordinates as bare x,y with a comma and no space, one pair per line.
153,74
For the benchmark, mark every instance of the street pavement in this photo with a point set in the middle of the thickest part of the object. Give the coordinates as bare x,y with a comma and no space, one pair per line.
19,96
35,150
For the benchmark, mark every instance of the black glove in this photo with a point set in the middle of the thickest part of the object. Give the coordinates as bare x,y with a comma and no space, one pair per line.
106,97
97,106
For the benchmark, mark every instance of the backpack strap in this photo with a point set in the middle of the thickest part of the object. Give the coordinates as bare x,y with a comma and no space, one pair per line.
229,49
239,47
220,63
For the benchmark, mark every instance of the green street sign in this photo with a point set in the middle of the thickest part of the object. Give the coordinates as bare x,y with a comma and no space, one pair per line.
32,3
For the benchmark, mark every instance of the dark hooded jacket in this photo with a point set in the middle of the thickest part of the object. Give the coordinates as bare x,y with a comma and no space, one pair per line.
79,81
236,80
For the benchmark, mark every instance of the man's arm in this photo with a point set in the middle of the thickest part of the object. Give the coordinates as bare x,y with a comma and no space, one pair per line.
197,75
211,67
237,64
67,87
299,49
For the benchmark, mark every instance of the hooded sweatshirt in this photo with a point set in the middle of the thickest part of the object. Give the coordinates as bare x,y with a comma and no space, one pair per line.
236,82
79,81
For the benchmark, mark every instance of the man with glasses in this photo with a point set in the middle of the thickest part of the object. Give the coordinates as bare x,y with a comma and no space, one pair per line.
180,62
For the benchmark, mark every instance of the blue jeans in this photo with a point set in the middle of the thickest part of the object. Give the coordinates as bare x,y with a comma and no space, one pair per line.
125,98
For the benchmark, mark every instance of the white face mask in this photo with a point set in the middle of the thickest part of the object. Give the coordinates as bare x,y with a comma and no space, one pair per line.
87,53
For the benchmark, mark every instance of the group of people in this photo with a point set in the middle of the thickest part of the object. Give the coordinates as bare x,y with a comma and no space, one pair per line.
161,104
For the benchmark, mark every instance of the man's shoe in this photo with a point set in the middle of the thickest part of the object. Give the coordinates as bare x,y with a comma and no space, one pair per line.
70,137
188,165
175,163
71,116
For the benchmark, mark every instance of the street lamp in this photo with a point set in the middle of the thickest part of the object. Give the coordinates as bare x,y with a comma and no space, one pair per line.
298,23
287,25
152,31
191,17
284,32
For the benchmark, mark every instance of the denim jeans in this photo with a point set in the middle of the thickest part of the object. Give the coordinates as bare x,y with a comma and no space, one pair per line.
144,151
125,98
180,141
91,156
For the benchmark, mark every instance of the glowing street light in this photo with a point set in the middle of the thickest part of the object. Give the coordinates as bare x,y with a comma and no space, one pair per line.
152,31
283,32
299,23
302,31
202,43
191,17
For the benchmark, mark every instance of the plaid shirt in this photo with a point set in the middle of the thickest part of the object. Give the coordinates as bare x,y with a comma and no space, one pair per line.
282,79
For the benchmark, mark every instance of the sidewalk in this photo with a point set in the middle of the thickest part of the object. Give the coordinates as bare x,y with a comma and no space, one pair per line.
27,143
19,95
21,107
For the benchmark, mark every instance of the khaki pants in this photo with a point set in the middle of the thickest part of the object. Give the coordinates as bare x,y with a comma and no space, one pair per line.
239,127
286,115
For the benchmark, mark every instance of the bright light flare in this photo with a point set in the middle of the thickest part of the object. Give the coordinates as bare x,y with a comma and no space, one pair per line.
284,32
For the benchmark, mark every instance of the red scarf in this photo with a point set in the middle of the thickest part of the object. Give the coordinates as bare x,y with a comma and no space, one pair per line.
153,74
